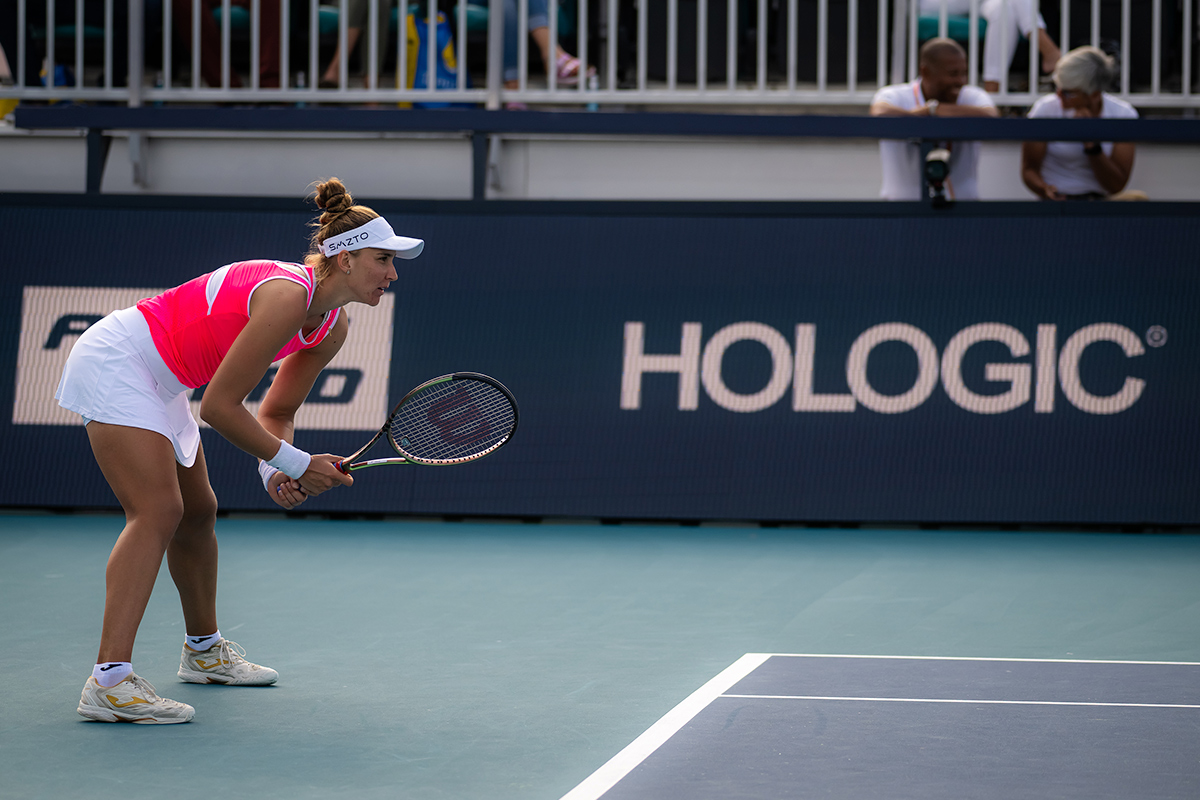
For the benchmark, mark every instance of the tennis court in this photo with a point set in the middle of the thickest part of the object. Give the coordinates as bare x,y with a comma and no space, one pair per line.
421,658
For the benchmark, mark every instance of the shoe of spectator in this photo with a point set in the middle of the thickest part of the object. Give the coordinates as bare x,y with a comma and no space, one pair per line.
567,69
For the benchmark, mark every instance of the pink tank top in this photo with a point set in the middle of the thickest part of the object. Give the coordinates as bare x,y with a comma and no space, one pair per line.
194,324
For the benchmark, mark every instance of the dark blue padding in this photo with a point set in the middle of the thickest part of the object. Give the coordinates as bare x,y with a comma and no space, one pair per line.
672,124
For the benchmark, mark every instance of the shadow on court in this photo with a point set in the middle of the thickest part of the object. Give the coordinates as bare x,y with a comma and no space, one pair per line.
483,661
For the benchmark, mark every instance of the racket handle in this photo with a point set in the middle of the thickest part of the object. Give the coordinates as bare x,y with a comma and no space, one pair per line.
341,468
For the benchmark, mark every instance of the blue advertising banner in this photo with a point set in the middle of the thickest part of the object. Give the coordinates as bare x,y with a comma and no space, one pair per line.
682,362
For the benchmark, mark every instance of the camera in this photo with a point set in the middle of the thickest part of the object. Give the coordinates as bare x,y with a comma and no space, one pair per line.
937,170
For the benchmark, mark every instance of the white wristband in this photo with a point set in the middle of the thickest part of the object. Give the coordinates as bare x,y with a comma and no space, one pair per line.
266,471
291,461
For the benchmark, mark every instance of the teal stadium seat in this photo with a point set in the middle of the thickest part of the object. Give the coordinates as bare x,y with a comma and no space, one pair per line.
957,28
68,32
327,19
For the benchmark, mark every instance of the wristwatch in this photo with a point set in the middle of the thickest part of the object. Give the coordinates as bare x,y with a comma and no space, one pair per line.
932,105
1093,149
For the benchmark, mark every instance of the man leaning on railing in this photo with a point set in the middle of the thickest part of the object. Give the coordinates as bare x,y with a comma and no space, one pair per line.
941,91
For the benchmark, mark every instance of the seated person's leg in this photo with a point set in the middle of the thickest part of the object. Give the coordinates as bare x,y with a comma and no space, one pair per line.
1003,34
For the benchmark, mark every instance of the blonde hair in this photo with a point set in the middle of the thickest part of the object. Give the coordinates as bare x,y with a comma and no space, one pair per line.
339,214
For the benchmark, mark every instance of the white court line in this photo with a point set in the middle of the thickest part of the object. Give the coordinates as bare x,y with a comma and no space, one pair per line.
970,658
967,702
640,749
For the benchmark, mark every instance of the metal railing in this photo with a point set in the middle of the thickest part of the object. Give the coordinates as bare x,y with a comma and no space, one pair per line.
746,52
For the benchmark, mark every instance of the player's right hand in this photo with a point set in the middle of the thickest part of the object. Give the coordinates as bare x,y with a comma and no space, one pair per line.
322,475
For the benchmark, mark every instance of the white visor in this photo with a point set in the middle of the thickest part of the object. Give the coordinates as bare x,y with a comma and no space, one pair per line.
376,233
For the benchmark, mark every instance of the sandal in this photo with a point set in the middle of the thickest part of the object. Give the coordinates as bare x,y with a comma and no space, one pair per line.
566,69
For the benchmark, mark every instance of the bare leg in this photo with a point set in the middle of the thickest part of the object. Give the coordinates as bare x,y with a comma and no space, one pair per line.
541,37
139,466
1049,51
331,72
552,53
192,554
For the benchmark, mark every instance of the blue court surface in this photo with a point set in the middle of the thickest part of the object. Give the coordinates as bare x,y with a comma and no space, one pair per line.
774,726
428,659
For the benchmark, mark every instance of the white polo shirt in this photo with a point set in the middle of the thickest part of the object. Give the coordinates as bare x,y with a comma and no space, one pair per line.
903,172
1066,167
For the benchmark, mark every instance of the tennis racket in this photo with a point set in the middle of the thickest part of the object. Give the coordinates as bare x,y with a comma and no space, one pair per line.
449,420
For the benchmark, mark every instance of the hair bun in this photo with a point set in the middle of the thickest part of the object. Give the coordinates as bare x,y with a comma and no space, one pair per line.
332,197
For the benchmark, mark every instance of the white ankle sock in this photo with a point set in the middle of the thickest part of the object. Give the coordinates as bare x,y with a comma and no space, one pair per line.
199,643
109,673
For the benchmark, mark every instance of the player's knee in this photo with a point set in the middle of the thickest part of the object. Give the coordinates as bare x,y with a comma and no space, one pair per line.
161,514
198,519
200,511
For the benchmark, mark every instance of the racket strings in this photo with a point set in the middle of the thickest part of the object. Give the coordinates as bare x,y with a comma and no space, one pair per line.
453,421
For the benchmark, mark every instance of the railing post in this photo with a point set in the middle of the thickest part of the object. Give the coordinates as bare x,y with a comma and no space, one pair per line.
495,58
136,54
899,39
137,139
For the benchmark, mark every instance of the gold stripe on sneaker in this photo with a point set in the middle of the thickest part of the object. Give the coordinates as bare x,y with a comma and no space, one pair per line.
132,702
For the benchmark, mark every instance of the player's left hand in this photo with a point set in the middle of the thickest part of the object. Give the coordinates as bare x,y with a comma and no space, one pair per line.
286,492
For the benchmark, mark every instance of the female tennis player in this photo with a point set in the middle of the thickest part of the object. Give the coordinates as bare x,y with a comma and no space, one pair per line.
128,376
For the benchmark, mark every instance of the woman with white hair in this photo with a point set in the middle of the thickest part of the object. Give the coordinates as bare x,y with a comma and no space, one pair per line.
1079,170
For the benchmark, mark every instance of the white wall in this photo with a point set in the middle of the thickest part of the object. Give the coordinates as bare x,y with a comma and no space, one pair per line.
525,167
43,162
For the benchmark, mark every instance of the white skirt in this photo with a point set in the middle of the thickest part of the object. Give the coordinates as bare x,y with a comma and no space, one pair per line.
115,375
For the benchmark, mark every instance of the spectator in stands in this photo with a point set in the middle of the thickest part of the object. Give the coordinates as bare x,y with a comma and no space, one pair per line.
357,20
941,91
210,40
1007,22
566,67
1075,170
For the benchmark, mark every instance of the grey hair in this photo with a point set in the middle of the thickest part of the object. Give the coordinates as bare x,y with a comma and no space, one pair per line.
1085,69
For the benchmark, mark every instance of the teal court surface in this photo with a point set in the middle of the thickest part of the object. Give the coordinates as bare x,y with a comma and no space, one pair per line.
500,660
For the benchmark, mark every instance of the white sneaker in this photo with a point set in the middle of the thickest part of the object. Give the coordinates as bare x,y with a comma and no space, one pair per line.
131,700
225,663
